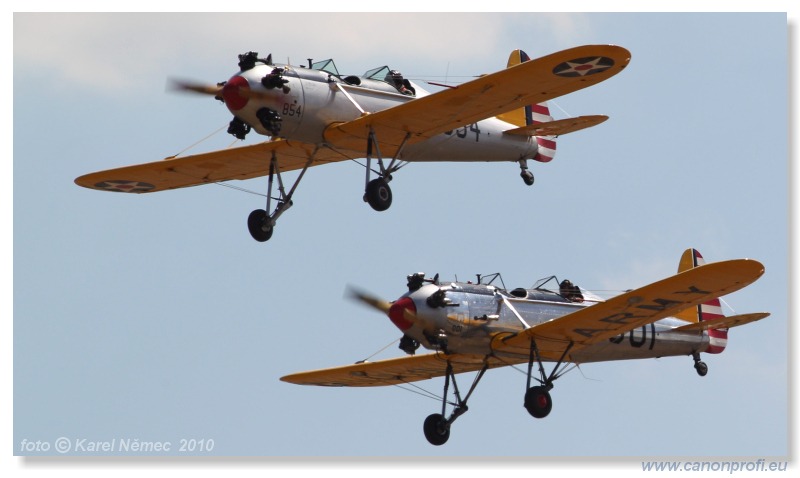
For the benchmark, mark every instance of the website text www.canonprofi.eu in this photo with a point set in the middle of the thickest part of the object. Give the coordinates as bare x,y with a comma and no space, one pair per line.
729,466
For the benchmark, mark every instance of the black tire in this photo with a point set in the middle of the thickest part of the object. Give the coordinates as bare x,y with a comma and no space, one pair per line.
256,224
538,402
702,368
436,429
378,194
527,177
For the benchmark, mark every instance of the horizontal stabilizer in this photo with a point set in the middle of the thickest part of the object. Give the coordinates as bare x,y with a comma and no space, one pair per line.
559,127
724,322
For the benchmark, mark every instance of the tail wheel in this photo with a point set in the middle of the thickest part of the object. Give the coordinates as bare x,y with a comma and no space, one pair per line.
436,429
259,226
538,402
527,177
378,194
701,367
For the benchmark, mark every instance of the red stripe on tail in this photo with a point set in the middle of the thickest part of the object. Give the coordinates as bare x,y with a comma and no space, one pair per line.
540,113
718,338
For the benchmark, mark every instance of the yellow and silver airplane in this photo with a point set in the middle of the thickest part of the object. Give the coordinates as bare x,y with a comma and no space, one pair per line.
314,116
477,326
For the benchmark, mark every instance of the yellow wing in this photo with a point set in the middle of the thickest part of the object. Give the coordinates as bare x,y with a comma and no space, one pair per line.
632,309
234,163
395,371
524,84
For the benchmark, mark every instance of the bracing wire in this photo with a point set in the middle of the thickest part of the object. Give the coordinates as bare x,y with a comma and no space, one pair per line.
239,188
200,140
382,349
419,391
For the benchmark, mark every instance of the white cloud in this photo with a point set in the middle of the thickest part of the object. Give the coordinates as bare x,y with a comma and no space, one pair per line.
121,51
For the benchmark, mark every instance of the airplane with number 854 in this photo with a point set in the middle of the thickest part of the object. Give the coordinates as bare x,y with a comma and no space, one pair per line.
314,116
478,326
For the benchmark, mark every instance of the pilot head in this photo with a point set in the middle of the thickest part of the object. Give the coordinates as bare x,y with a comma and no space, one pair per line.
396,78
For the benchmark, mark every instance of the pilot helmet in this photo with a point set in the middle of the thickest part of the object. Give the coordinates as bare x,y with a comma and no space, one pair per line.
396,77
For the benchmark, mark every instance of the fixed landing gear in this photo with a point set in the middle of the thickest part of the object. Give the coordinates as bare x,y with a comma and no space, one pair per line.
261,222
699,365
377,192
537,401
436,427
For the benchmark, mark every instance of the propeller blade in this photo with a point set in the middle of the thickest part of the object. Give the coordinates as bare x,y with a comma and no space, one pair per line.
402,312
203,89
370,300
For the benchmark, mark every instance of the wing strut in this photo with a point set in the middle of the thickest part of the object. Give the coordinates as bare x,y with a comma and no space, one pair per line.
347,95
261,222
513,310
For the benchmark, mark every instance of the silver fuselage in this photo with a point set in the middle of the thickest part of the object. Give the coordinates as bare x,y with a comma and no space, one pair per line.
476,312
315,99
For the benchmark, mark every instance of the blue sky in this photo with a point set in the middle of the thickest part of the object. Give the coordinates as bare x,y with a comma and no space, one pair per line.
157,317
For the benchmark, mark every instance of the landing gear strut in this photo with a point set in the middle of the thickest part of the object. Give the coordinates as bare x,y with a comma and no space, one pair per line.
436,427
537,399
261,222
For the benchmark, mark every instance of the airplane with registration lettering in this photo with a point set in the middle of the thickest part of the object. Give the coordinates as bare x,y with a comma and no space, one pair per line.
313,115
474,327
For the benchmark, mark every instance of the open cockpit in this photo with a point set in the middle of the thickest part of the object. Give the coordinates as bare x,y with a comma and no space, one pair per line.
381,78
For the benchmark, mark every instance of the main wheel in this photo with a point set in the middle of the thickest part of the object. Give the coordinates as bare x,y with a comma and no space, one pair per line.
258,224
538,402
436,429
378,194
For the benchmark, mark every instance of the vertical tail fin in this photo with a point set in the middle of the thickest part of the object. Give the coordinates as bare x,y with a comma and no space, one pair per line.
718,338
531,114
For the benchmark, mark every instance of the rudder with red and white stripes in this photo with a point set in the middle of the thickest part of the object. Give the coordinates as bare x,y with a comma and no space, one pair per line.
531,114
718,338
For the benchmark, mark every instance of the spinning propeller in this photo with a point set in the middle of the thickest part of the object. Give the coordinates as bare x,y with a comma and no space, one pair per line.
203,89
221,91
402,312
